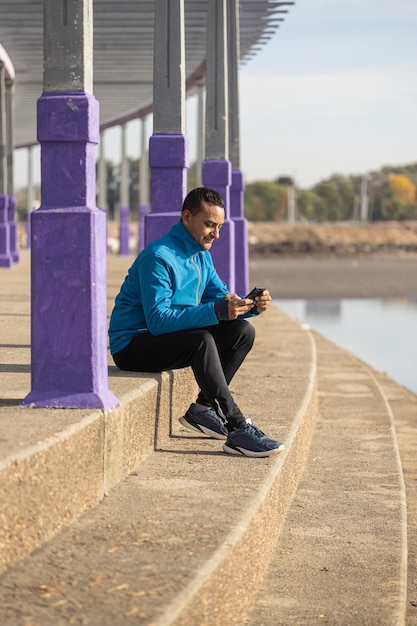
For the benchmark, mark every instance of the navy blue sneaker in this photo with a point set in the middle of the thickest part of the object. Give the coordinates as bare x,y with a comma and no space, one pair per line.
247,440
205,422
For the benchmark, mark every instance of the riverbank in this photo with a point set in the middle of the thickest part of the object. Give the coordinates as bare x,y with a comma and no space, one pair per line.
336,239
335,260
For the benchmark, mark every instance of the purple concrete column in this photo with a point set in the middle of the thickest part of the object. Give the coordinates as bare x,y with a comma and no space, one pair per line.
28,229
217,170
30,196
237,188
6,259
14,245
68,251
168,161
124,232
142,211
102,175
105,211
217,175
241,233
200,131
124,208
168,146
144,207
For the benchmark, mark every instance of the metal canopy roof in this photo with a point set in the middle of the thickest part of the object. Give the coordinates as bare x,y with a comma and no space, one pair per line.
123,52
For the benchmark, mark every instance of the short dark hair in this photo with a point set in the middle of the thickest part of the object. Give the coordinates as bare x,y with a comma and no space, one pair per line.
193,201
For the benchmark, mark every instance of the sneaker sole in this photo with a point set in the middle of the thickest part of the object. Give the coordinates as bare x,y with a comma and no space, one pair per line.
243,452
201,430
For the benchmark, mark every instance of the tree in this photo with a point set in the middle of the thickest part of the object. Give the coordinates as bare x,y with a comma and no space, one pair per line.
308,205
263,200
402,186
389,207
327,192
192,176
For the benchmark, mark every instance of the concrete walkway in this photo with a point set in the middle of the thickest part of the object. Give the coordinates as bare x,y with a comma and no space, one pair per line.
188,535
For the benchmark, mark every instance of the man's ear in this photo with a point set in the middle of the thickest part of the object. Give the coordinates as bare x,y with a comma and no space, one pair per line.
185,216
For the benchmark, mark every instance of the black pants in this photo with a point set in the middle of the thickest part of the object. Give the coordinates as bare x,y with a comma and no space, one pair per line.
214,353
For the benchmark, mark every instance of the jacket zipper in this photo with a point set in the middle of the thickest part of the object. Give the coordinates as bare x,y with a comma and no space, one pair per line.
199,278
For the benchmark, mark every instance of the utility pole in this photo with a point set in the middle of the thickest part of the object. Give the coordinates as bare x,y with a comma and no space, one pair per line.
364,199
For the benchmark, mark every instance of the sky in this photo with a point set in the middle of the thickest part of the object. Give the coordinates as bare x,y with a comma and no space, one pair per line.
333,91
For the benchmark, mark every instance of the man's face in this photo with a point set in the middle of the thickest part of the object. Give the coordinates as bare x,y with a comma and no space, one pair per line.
205,226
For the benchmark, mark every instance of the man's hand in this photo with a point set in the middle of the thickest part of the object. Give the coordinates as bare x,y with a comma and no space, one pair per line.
263,301
240,306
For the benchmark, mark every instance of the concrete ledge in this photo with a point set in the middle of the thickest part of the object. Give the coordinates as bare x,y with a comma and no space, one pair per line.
245,551
225,528
60,462
45,485
342,555
186,537
143,421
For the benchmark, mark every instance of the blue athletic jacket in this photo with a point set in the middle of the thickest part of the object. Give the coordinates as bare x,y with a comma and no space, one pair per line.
172,285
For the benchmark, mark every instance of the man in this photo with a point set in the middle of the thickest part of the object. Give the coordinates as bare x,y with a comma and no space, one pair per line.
174,311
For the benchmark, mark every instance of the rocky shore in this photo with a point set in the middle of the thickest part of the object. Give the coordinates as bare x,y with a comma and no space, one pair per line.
341,239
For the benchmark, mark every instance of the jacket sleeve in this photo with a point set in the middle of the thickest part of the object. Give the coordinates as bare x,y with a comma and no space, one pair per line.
156,292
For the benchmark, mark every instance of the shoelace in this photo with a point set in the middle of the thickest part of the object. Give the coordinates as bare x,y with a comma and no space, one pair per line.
254,430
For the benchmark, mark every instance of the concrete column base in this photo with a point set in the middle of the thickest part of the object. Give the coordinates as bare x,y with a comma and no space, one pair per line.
6,258
28,214
14,244
68,267
168,161
217,175
159,224
68,331
124,232
142,211
237,215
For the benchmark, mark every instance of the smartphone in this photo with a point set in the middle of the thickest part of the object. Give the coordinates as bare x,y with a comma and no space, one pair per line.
256,291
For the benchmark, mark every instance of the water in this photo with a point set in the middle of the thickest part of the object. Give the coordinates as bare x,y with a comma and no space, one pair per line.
383,333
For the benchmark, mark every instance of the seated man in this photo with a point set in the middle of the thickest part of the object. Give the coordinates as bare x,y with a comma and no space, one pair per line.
174,311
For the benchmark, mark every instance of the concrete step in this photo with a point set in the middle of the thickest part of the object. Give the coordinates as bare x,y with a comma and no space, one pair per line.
54,463
341,558
403,405
186,537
